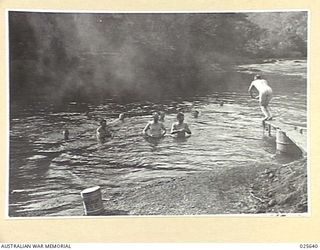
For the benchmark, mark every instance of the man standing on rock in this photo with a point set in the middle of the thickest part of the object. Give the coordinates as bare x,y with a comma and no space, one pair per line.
265,95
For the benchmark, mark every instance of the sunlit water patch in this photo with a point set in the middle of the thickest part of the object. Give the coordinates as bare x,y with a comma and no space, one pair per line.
283,67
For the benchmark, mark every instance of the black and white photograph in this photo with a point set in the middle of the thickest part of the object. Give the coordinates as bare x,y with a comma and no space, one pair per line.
157,113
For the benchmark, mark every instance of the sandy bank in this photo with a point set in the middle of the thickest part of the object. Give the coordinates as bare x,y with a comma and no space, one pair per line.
253,189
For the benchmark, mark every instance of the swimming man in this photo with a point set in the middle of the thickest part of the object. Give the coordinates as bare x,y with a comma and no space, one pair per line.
118,120
195,113
180,128
265,95
154,128
121,117
102,131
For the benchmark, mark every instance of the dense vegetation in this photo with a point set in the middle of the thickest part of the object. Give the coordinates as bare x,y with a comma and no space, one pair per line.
91,56
284,35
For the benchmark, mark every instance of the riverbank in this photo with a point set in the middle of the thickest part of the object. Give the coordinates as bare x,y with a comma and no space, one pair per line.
254,189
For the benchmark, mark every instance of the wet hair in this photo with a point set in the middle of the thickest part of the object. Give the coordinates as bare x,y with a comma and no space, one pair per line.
180,114
257,77
154,114
103,121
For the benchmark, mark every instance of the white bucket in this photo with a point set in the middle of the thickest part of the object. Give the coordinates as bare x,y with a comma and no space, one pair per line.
92,201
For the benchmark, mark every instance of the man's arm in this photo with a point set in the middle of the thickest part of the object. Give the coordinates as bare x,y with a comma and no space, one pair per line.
250,88
250,91
147,127
163,129
173,129
187,130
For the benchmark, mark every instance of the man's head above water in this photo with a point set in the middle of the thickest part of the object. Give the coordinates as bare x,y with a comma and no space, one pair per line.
257,77
155,116
180,117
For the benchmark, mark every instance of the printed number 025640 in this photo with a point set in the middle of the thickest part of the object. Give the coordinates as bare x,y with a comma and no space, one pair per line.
308,246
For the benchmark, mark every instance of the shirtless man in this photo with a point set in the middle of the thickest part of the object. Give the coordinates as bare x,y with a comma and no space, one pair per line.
121,117
195,113
102,131
180,128
154,128
265,95
118,121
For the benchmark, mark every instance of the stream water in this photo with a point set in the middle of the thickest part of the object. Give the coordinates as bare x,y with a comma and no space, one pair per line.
47,174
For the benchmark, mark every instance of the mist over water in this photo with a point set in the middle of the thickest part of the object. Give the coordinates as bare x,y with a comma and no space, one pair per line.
90,56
